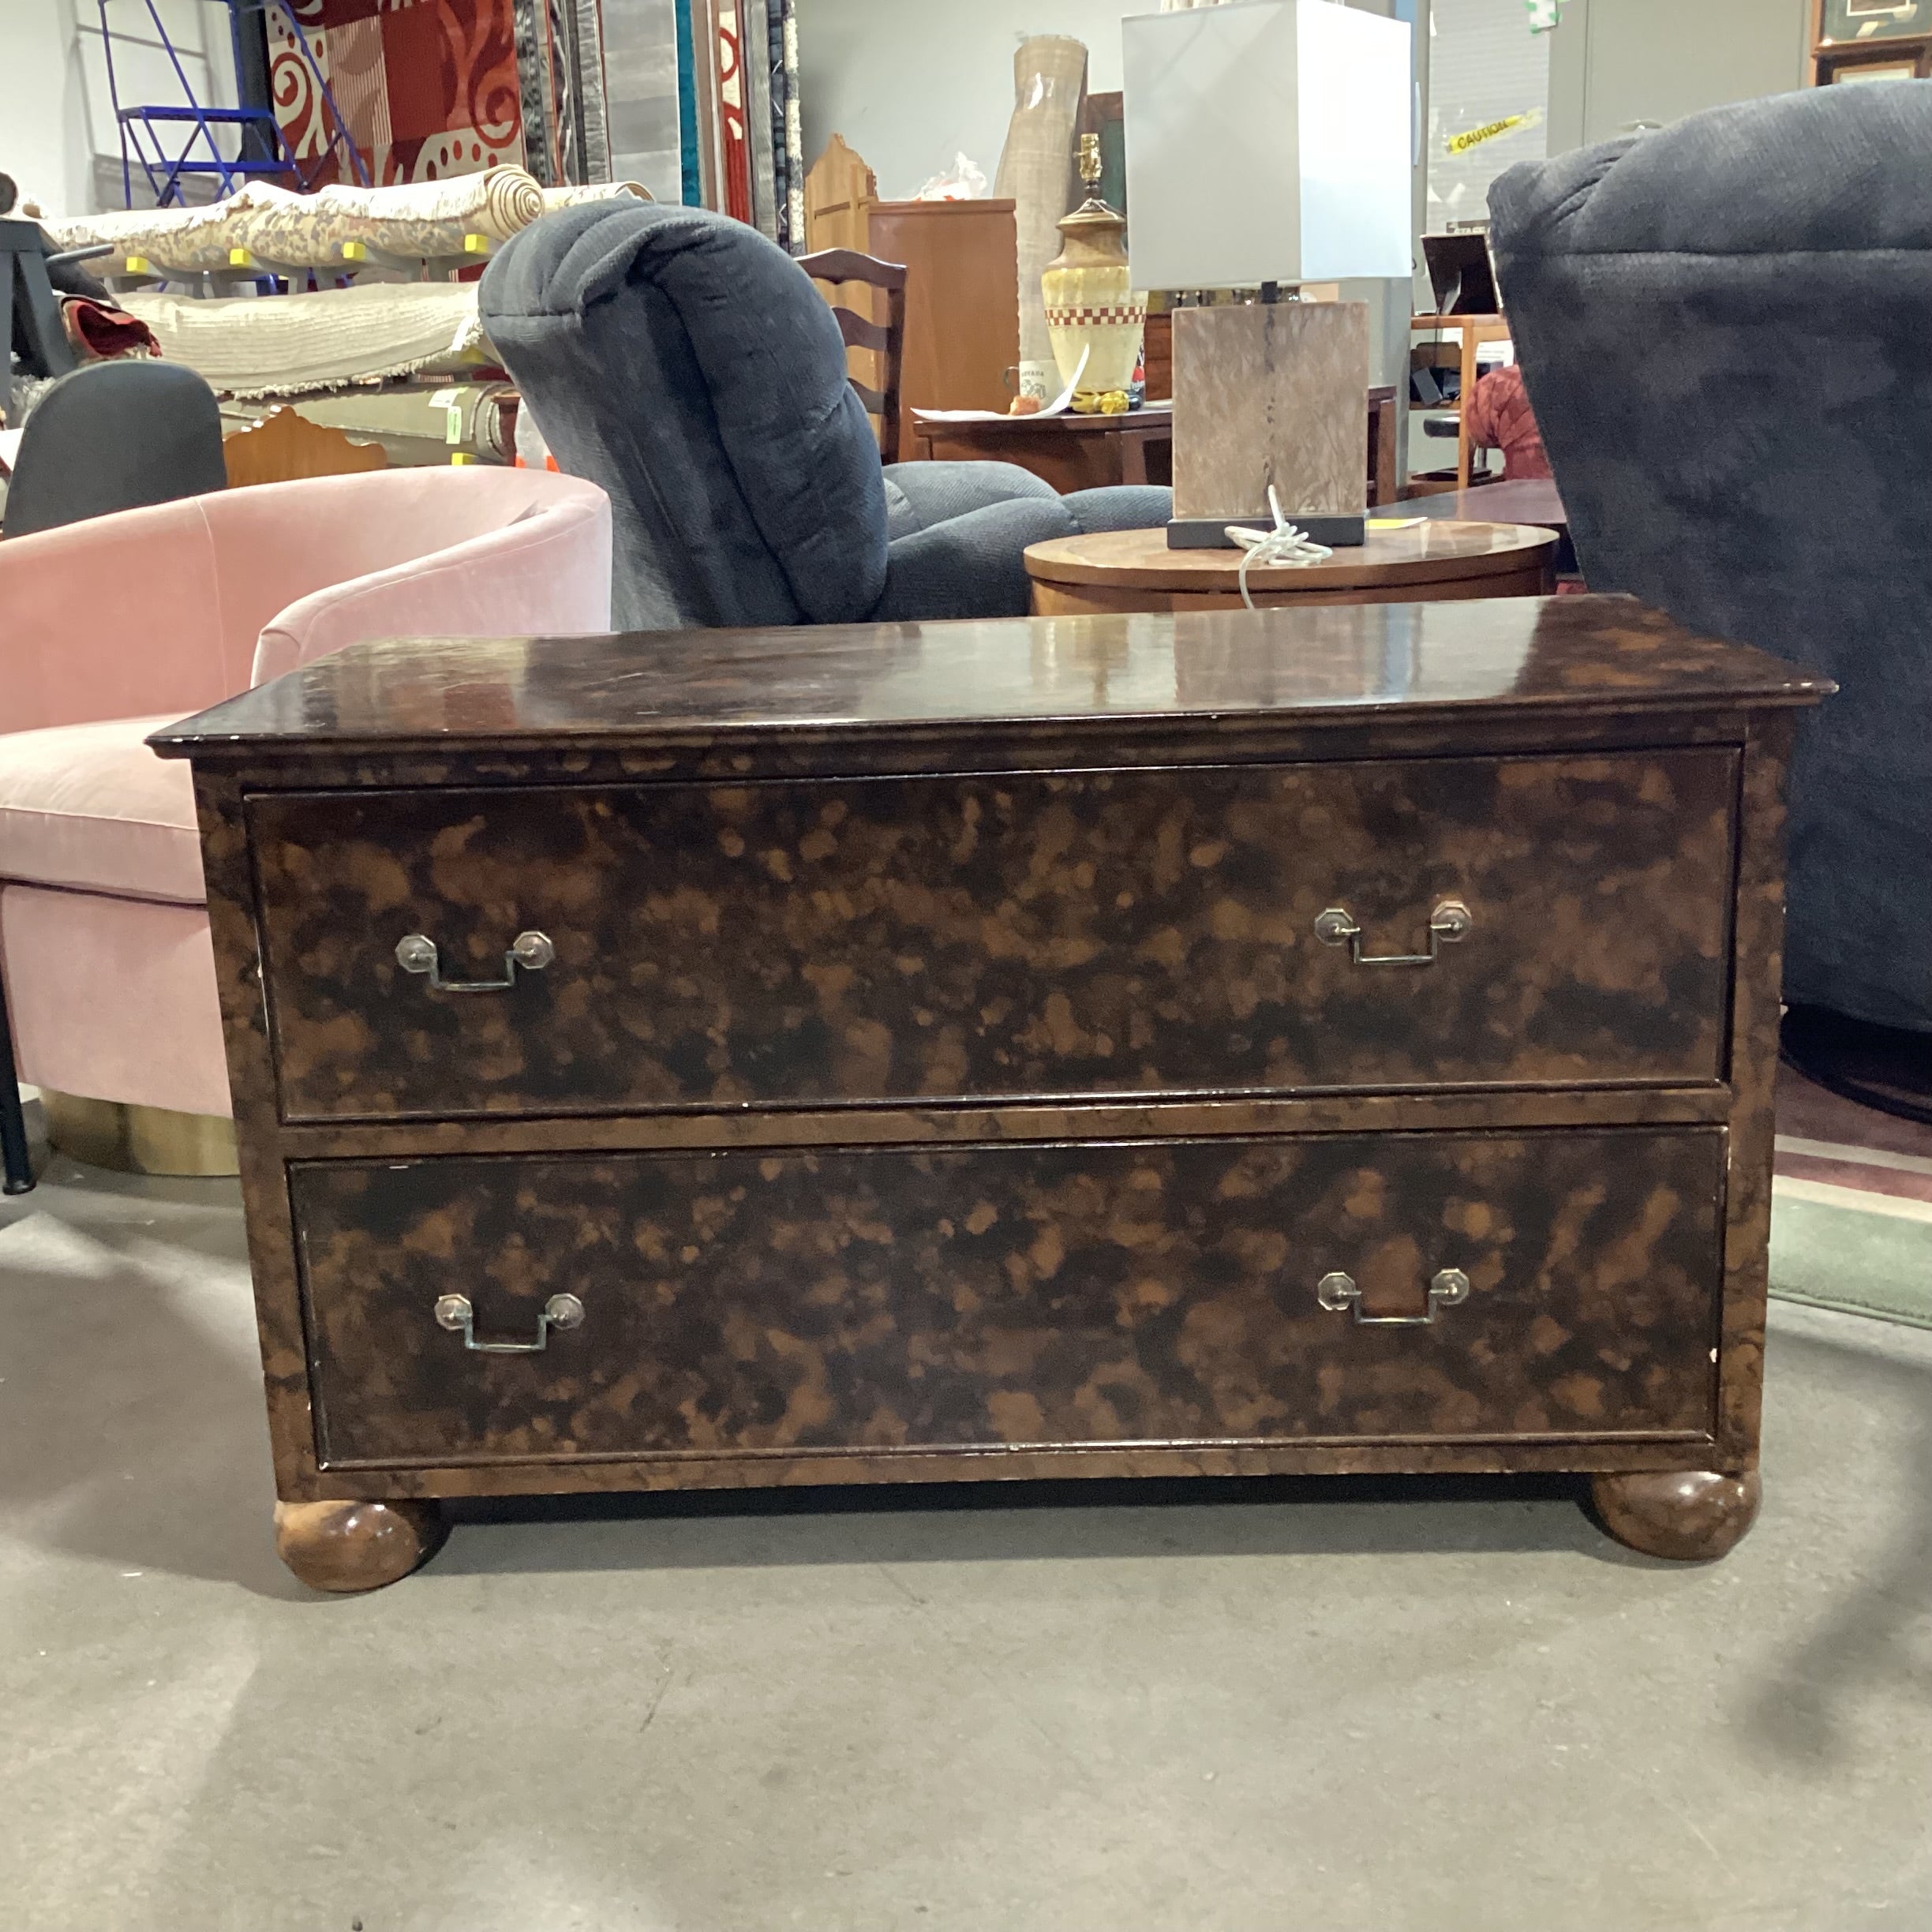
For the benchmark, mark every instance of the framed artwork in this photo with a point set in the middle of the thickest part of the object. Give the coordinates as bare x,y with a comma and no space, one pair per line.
1839,74
1855,21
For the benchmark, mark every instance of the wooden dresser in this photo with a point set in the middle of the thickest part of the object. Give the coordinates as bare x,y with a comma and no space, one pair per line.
1337,1040
961,337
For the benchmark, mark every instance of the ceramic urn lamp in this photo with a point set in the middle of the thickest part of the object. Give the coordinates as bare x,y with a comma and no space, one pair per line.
1092,308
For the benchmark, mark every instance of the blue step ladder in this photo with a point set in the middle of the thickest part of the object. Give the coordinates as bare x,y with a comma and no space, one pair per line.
173,142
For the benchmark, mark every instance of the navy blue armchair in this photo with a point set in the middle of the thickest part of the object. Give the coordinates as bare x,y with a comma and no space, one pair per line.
1726,330
688,366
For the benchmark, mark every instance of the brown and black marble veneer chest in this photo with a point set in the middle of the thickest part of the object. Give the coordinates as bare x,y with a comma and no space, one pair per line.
1315,1041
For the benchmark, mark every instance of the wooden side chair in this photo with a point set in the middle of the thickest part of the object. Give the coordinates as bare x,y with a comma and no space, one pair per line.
836,270
285,445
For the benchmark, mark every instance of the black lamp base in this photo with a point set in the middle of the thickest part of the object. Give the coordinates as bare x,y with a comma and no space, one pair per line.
1338,533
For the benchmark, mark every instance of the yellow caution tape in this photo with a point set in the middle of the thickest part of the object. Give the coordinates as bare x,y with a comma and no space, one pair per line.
1473,137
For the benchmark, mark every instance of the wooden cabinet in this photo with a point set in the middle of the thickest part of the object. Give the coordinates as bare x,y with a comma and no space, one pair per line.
1338,1040
961,260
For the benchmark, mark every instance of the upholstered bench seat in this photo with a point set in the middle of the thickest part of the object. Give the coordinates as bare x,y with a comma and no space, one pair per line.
90,808
102,868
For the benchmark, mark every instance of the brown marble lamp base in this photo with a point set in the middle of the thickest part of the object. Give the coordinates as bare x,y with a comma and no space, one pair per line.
347,1547
1270,393
1687,1516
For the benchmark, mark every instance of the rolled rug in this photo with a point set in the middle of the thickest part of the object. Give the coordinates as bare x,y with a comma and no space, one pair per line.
555,198
1036,173
189,238
104,331
413,219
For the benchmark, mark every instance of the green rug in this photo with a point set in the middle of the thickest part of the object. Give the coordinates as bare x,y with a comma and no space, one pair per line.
1872,1259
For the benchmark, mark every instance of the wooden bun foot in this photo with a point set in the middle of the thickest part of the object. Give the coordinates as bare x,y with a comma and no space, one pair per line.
346,1547
1688,1516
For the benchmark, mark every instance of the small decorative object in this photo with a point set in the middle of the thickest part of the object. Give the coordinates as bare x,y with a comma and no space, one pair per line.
1049,80
1090,307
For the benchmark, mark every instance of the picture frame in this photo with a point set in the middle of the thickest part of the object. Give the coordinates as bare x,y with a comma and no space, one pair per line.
1859,22
1842,72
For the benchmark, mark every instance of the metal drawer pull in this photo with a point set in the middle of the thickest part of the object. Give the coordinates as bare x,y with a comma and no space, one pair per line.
1449,921
532,951
1336,1292
561,1311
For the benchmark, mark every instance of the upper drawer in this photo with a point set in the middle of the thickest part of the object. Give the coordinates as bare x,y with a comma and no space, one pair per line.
999,937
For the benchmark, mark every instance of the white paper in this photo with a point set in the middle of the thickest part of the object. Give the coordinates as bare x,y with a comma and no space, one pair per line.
1058,407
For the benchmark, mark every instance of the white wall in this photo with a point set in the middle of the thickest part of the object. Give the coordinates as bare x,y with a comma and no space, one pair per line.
911,83
43,142
1614,62
57,113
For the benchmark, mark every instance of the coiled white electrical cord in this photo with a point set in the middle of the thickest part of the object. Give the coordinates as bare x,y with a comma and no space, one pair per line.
1283,544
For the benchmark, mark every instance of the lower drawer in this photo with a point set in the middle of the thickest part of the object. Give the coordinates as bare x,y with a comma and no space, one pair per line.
1407,1286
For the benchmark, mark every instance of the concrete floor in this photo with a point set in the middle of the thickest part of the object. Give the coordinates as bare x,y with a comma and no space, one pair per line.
1246,1709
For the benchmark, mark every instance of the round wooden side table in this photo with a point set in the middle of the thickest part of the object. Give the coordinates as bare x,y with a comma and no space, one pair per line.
1424,563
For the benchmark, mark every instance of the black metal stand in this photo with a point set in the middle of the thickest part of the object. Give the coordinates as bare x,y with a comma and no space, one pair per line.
14,1158
30,314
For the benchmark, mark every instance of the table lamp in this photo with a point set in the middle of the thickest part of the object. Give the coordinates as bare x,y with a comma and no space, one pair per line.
1268,144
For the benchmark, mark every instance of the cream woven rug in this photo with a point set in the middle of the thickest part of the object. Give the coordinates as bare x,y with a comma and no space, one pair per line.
287,345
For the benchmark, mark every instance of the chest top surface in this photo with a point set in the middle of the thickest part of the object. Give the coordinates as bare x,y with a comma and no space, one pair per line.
1105,676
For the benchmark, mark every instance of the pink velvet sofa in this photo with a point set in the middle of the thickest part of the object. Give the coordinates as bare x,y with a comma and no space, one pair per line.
111,627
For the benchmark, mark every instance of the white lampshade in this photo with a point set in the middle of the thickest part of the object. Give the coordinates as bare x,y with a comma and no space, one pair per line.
1267,140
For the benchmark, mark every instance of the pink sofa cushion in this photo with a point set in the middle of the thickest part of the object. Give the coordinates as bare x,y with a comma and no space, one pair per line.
90,806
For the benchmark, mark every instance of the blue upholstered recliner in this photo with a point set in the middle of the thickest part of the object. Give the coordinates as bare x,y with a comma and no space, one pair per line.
1726,329
684,363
